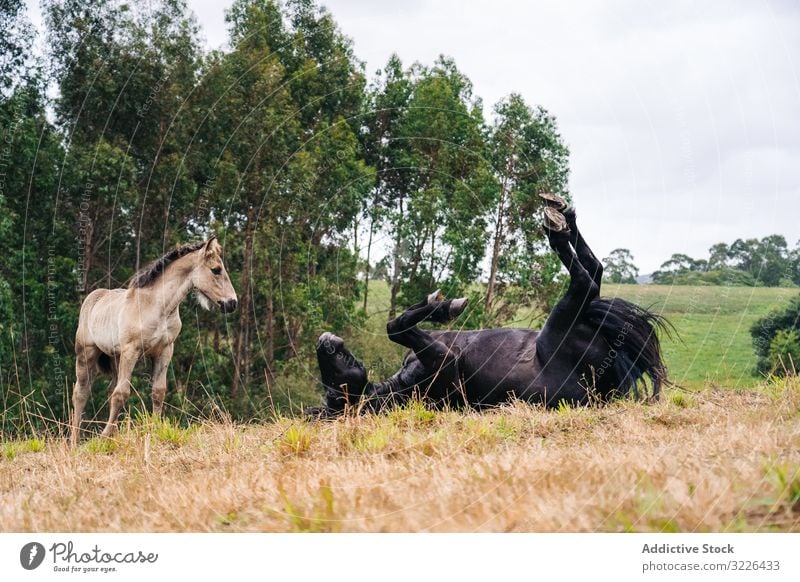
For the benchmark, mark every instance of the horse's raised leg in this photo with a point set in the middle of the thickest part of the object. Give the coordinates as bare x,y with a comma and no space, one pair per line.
85,370
160,368
585,255
122,390
436,357
555,347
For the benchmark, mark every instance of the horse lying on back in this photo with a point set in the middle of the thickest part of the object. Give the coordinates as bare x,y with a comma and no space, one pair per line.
117,327
590,348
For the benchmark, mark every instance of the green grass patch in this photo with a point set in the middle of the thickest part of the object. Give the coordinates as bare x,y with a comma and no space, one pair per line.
12,449
296,440
165,430
101,445
319,517
785,478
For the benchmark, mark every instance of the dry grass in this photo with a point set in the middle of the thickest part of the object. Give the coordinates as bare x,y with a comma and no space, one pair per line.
709,461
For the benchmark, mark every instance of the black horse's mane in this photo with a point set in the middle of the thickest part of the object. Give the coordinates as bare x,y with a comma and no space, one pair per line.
147,275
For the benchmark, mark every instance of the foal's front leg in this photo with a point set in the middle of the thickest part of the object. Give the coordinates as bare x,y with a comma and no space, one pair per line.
127,360
160,368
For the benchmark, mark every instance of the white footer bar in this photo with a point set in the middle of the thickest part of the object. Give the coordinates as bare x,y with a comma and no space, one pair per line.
388,557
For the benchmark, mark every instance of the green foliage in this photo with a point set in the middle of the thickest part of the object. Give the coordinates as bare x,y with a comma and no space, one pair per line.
776,340
528,156
277,146
750,262
619,267
296,440
785,478
784,352
726,277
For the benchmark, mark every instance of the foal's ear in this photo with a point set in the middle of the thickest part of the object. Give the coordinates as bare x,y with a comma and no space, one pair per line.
211,246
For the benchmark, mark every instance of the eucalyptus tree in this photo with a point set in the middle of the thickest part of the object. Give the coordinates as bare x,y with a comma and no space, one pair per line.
528,156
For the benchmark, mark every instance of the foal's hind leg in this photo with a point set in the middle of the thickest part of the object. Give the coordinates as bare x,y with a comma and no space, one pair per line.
85,369
122,390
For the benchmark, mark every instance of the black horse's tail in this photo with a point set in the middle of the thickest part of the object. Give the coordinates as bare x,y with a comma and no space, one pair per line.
631,331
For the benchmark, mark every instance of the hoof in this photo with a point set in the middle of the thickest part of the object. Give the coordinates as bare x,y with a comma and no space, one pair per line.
457,307
553,200
435,297
554,221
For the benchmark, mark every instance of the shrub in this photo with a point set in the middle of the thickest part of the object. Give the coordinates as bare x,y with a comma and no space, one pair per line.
771,345
784,352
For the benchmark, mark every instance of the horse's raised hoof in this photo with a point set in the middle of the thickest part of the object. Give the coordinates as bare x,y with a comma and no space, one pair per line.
457,307
554,221
435,297
571,216
553,200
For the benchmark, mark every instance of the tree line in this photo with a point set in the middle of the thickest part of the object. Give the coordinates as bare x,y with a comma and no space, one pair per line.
125,137
767,262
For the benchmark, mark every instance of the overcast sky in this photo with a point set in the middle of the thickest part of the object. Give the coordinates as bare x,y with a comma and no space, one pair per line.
683,118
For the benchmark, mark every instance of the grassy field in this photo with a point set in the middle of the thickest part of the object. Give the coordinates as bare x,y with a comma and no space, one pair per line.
715,460
706,458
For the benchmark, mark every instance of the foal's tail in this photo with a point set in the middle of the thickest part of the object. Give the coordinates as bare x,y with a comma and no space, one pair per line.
635,351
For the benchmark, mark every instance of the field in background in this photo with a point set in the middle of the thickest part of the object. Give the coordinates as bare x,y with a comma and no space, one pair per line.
714,323
714,460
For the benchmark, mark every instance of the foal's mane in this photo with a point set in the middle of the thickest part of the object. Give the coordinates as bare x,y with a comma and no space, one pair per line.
154,270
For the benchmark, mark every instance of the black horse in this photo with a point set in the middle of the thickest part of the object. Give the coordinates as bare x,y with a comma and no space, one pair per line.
591,349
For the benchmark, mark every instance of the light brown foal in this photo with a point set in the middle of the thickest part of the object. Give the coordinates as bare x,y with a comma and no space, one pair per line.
117,327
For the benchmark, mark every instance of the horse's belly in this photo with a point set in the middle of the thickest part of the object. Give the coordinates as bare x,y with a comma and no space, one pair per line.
494,384
104,331
494,372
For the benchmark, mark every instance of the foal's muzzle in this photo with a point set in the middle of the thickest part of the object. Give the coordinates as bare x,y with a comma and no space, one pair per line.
227,306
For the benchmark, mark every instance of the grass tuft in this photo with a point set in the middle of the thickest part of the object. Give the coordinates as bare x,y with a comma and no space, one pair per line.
101,445
11,449
296,440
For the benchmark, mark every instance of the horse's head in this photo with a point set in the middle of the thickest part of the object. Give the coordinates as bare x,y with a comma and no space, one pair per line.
344,378
210,279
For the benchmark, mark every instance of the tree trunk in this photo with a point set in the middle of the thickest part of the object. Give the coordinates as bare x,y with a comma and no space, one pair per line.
498,243
396,267
241,375
433,249
269,343
499,233
366,268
